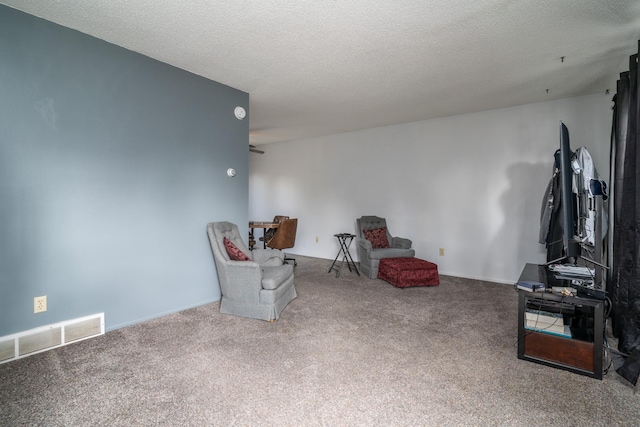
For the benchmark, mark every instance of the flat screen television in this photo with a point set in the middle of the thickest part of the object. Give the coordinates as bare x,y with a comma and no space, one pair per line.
567,224
571,246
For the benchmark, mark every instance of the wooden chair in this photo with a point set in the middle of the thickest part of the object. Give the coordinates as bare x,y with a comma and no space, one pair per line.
269,232
285,237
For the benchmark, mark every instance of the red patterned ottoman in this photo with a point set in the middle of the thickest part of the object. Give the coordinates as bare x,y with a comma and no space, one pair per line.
406,272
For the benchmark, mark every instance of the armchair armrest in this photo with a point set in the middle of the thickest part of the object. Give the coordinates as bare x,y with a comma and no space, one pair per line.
401,242
240,280
268,257
364,244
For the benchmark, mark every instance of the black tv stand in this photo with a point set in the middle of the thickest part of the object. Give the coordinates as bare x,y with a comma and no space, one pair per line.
581,353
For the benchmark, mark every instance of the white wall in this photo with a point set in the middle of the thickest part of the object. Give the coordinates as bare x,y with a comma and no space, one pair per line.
471,184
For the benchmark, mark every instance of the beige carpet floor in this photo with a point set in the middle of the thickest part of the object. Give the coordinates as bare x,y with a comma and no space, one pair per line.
349,351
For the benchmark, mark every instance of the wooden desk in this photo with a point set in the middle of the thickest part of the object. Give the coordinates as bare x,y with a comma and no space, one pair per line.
260,224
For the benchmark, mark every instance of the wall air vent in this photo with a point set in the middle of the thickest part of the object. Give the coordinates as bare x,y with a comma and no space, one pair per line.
51,336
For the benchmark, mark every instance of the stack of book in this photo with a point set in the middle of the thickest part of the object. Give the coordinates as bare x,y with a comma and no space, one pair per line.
529,286
547,322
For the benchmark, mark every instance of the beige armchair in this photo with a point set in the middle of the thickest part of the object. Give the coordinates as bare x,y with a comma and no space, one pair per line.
260,287
370,253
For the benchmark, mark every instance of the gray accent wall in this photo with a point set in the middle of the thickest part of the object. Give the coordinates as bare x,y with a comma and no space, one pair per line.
111,165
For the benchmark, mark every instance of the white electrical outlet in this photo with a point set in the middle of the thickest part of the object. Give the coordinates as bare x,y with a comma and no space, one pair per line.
40,304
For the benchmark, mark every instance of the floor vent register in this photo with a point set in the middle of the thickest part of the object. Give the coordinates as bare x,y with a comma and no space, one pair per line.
51,336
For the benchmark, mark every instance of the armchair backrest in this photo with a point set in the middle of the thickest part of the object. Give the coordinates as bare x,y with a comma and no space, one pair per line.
285,236
371,222
217,231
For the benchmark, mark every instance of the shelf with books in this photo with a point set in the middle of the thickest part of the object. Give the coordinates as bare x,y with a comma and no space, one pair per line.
546,322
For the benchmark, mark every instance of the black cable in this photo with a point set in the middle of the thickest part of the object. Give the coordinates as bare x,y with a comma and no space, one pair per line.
538,312
608,359
608,305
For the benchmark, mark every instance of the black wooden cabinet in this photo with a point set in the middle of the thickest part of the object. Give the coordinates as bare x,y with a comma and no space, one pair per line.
582,353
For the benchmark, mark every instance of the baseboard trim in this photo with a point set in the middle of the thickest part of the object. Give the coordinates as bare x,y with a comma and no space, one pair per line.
161,314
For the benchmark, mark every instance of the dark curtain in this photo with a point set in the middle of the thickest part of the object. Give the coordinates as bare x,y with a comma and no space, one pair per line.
624,280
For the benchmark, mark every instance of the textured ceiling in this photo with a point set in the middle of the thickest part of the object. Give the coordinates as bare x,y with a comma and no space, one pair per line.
322,67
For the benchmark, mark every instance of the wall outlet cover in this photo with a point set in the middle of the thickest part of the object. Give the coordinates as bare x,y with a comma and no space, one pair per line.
40,304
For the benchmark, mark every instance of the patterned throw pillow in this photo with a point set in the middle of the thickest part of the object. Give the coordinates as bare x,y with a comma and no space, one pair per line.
377,237
233,251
